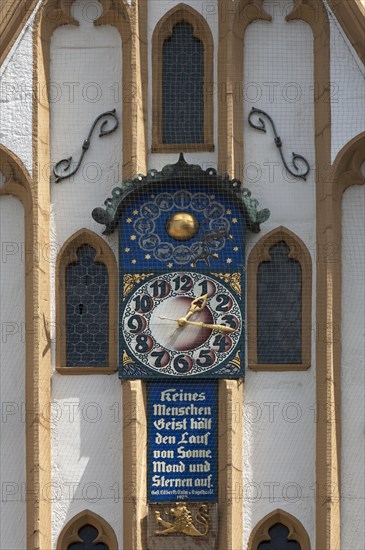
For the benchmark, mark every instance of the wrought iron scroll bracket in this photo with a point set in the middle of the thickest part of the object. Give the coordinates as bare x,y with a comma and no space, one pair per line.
64,165
279,144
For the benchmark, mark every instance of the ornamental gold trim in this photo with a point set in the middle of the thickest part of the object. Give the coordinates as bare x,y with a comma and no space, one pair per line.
232,279
127,360
131,280
183,523
236,361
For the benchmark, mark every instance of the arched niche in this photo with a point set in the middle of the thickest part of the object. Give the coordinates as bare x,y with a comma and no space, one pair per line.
130,19
162,32
18,183
67,256
298,254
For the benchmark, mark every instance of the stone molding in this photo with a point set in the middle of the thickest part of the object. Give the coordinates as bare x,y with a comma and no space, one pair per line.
297,532
69,533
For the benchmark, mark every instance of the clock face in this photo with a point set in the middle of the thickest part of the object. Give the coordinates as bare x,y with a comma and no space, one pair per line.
182,323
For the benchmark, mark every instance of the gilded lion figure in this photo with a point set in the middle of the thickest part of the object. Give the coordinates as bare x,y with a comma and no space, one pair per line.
184,524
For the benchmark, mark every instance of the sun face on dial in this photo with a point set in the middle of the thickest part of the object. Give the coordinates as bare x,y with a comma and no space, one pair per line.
181,323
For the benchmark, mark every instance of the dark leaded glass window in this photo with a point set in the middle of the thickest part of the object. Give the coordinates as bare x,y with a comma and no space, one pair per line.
183,87
87,311
279,308
279,539
88,534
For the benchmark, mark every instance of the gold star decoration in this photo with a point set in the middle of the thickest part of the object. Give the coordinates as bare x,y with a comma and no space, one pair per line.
148,256
127,250
234,220
231,237
129,220
215,255
134,261
135,212
235,248
229,260
133,237
228,211
169,264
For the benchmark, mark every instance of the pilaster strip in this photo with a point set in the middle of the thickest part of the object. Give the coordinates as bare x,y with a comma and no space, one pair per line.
230,435
328,291
39,385
134,465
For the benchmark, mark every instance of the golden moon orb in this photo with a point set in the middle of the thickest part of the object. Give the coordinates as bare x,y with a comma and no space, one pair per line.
182,226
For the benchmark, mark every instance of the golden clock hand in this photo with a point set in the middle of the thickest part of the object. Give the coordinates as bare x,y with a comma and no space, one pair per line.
221,328
197,305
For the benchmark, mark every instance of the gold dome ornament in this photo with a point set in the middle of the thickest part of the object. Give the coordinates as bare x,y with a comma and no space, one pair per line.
182,226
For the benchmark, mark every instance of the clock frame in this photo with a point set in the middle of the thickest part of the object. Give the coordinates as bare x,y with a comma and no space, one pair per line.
152,336
180,221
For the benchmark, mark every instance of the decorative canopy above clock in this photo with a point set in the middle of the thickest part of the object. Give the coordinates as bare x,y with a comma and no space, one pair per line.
181,172
182,274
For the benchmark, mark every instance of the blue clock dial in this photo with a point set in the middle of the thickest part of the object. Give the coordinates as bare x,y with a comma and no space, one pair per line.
216,239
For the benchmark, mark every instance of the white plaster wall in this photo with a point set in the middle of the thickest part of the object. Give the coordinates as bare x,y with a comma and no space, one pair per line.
12,375
156,10
352,370
347,89
87,449
279,408
16,90
86,65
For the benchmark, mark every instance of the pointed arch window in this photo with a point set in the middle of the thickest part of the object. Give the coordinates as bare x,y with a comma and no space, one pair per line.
86,306
87,531
279,531
182,64
279,303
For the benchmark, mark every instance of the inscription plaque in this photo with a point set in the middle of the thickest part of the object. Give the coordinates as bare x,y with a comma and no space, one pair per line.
182,441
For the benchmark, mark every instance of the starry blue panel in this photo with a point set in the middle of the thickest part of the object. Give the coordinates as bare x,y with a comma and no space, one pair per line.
279,309
145,244
88,534
87,311
279,540
183,87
